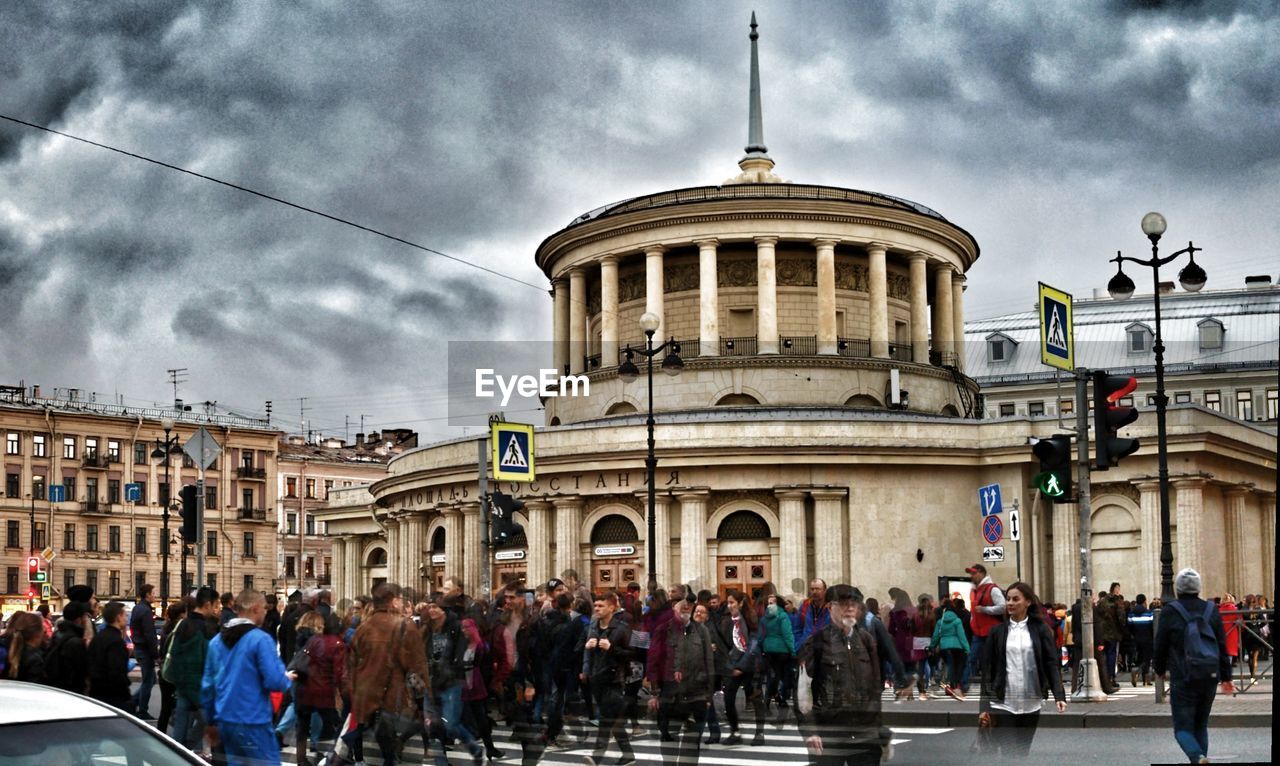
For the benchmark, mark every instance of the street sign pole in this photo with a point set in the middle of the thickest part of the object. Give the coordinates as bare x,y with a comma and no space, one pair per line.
1090,690
1015,534
200,528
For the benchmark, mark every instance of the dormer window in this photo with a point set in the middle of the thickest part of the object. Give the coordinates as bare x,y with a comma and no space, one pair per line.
1211,332
1138,338
1000,347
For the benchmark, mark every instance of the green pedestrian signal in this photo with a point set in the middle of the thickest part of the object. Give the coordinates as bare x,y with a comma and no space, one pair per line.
1049,485
1054,478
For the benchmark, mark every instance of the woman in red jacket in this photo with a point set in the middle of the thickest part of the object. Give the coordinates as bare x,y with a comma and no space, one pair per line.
317,691
1230,623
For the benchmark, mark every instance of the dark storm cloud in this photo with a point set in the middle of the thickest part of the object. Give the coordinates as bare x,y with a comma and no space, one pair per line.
479,129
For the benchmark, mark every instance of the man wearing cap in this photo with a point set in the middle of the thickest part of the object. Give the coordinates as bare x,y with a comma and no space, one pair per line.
83,594
843,726
1191,692
986,610
67,660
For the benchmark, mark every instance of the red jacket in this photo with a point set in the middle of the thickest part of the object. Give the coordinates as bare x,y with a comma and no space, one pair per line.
982,623
325,672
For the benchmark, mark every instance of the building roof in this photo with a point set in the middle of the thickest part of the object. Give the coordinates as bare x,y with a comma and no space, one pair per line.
357,454
73,402
1251,330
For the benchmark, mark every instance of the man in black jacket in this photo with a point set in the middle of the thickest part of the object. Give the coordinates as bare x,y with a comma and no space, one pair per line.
1141,627
843,726
109,660
287,635
1190,695
146,648
445,646
555,639
67,658
607,654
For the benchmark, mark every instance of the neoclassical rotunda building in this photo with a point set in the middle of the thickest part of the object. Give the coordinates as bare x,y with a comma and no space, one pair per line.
822,425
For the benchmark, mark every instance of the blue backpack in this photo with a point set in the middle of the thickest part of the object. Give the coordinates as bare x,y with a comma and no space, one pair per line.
1199,645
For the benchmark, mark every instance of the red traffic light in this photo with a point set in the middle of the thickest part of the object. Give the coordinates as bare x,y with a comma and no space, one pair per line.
1109,416
33,563
1115,394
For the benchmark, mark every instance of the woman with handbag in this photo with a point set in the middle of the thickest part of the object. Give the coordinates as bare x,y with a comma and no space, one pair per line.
320,676
1023,668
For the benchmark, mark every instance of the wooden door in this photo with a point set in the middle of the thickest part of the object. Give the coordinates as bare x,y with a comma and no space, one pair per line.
744,573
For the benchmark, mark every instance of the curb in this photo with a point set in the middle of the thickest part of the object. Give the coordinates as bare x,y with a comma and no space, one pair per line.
963,720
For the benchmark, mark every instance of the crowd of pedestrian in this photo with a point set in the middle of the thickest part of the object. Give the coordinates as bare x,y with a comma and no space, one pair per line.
564,667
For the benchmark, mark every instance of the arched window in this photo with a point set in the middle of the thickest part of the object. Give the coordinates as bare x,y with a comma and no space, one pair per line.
437,541
863,402
737,400
377,558
621,408
614,528
743,525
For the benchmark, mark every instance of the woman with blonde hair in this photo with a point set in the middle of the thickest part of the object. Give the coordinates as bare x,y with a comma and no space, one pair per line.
20,646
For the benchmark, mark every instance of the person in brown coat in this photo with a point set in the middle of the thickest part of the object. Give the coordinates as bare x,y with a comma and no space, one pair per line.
385,661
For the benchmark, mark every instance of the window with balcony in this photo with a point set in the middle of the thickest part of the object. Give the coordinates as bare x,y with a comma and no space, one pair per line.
113,450
13,537
91,538
246,459
39,445
246,497
13,444
113,539
90,448
140,540
69,447
91,490
248,544
1244,405
38,487
113,490
291,486
211,544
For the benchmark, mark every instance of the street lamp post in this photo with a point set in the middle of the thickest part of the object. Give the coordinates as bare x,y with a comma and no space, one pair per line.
1121,287
627,371
165,451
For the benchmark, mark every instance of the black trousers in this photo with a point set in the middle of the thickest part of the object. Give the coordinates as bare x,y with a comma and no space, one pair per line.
1012,732
168,703
610,704
731,686
687,720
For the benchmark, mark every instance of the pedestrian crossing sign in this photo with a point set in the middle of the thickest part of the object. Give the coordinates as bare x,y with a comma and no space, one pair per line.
512,451
1057,347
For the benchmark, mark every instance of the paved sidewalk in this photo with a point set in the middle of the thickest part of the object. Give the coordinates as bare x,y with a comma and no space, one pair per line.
1130,707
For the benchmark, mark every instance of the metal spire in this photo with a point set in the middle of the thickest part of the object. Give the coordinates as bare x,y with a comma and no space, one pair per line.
755,127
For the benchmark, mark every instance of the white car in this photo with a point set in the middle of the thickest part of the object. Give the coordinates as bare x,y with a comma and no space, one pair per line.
44,726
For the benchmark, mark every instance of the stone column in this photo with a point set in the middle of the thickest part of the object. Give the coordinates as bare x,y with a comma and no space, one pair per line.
569,536
577,320
454,545
609,311
708,298
474,555
538,534
654,285
1150,526
1066,552
957,317
662,534
1238,543
766,296
943,316
393,550
1190,507
560,323
878,301
693,537
826,250
792,564
829,536
1267,509
356,583
339,570
918,265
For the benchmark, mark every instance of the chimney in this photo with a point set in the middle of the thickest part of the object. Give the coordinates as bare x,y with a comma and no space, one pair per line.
1257,282
1101,294
177,404
35,392
1166,288
374,437
359,439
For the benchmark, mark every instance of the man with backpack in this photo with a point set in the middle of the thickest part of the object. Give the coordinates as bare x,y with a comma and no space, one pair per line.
1191,646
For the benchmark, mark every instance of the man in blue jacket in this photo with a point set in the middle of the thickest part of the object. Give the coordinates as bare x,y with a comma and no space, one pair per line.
240,670
146,648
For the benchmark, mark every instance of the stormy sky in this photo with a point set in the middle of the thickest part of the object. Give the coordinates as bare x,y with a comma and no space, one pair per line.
476,129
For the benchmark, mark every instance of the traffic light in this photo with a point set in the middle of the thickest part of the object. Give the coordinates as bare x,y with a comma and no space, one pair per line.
34,573
1054,478
1109,416
190,513
504,528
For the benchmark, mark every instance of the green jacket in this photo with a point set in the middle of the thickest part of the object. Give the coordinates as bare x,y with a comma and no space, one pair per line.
185,661
779,638
949,633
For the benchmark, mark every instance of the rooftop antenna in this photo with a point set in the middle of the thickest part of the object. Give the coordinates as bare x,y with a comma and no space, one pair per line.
302,417
268,410
176,376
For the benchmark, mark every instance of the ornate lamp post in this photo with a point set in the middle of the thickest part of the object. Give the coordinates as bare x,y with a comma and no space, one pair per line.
164,451
672,365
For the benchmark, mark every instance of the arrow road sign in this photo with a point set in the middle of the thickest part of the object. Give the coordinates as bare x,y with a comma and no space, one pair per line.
989,499
992,529
1015,526
993,553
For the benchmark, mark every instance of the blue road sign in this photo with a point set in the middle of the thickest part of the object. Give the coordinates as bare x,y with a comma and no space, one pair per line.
989,500
992,529
57,493
133,493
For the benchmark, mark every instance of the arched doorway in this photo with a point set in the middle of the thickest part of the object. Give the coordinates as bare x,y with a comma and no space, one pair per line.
438,561
742,560
615,560
375,563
